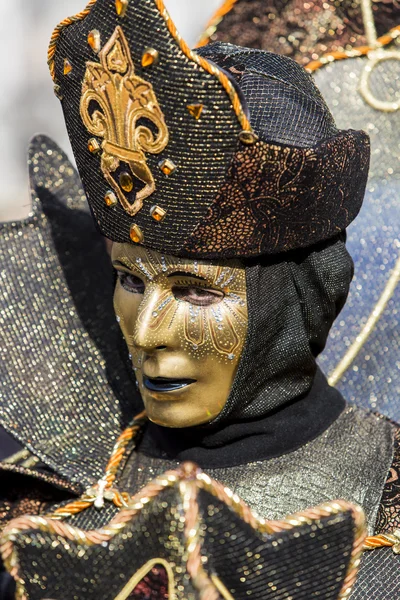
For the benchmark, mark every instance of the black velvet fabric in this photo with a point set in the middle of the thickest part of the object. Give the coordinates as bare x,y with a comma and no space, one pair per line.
279,399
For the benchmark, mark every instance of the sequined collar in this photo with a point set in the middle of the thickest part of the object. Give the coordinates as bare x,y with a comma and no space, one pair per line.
65,392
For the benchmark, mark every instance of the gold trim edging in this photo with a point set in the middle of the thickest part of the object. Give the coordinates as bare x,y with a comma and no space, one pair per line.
141,573
215,20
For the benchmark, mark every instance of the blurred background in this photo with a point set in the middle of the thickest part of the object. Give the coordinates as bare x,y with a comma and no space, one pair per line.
27,102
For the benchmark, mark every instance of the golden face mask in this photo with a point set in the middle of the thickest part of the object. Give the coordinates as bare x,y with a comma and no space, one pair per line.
185,324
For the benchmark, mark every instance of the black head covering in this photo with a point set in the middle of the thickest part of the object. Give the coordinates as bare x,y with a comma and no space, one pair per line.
292,304
279,399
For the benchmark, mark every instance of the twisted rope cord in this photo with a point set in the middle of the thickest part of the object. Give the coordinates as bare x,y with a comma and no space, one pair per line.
373,42
57,32
216,488
194,563
215,20
331,57
306,516
188,475
105,484
383,540
204,64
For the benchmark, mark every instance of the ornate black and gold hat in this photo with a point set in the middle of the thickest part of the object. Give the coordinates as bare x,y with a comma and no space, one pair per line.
177,154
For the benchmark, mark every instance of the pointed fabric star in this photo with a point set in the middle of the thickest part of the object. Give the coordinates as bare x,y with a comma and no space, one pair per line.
185,536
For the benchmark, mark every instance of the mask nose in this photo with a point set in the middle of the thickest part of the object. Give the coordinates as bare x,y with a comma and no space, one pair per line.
153,330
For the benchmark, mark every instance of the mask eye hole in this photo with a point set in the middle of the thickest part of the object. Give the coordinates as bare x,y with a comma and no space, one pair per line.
131,283
197,295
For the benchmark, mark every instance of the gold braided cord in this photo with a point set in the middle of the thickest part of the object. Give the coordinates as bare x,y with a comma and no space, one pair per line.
193,538
215,21
373,42
209,68
369,326
118,453
369,22
191,477
384,540
203,63
331,57
57,31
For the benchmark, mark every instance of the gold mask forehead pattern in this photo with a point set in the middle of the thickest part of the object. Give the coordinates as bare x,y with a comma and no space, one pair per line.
123,101
219,329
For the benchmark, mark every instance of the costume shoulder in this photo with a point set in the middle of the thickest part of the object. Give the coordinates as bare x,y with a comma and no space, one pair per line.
378,574
24,492
70,350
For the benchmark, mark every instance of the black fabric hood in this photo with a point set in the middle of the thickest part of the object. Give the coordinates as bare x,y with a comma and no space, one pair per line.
292,303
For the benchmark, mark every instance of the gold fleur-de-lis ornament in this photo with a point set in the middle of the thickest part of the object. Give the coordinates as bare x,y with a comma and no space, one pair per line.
114,100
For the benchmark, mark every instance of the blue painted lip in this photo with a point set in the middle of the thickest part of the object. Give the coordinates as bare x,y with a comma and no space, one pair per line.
165,384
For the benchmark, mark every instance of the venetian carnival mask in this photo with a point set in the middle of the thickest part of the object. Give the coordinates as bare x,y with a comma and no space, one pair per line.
185,324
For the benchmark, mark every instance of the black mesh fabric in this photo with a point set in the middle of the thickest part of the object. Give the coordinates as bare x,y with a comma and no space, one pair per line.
378,576
274,85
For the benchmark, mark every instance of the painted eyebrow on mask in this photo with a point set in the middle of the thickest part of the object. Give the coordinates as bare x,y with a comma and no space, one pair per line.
186,274
120,263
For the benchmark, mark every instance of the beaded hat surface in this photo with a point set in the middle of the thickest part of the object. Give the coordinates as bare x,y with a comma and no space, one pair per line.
171,149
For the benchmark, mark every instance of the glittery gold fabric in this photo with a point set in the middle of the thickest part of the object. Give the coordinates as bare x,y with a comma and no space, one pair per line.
64,392
174,542
302,29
